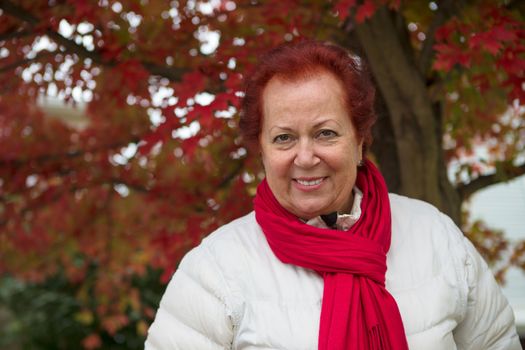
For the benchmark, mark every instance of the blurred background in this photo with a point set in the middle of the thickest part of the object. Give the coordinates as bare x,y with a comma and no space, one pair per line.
119,148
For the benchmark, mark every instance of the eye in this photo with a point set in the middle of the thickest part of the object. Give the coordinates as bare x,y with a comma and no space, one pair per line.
326,134
283,138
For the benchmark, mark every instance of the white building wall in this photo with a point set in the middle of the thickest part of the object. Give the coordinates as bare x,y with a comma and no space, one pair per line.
502,207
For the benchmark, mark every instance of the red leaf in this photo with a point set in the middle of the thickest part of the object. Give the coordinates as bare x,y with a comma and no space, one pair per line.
365,11
166,275
91,342
234,81
343,8
502,34
512,64
83,10
115,322
449,55
133,74
486,41
149,141
190,144
191,84
515,83
221,102
443,32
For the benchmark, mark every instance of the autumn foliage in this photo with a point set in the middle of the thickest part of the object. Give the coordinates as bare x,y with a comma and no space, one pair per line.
154,162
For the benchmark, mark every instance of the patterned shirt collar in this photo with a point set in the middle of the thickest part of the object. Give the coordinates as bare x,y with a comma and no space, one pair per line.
344,221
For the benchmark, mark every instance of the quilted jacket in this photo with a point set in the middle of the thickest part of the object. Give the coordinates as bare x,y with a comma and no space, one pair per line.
231,292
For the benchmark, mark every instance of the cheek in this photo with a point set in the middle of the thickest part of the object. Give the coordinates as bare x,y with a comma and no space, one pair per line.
274,165
345,167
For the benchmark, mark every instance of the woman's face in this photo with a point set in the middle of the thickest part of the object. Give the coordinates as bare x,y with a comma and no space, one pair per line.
308,143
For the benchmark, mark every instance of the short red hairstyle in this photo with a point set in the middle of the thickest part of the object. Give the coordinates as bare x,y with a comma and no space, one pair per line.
298,61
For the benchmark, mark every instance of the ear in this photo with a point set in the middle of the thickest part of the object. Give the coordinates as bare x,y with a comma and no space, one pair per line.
360,154
261,159
260,153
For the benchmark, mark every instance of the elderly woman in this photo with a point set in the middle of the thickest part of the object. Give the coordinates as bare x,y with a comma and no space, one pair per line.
328,259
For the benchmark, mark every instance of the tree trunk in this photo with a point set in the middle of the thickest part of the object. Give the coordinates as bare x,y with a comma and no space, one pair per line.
409,125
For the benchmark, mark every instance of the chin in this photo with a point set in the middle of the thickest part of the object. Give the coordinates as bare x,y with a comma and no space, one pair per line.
308,208
308,213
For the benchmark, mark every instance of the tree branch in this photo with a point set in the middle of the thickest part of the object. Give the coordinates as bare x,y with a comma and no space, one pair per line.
38,56
132,186
172,73
37,203
71,154
14,34
229,177
503,174
445,10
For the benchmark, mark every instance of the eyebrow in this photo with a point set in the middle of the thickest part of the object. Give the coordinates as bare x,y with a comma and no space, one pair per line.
282,128
324,121
316,125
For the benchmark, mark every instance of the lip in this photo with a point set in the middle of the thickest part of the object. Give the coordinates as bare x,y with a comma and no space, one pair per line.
308,188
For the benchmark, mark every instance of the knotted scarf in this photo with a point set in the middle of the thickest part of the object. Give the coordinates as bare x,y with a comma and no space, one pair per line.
357,311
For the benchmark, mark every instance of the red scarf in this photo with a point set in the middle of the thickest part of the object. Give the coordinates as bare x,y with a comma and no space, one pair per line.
358,312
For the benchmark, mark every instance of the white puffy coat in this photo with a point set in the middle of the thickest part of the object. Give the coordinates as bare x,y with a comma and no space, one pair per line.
231,292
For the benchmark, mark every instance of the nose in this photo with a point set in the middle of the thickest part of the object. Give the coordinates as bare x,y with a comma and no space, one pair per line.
306,156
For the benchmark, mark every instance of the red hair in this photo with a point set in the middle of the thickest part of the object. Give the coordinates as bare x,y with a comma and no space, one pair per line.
297,61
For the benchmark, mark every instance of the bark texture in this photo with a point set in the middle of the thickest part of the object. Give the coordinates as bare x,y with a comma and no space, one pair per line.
409,125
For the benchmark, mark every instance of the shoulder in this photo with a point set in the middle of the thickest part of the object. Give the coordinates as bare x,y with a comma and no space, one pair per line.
232,229
234,249
406,208
423,234
417,220
243,233
227,240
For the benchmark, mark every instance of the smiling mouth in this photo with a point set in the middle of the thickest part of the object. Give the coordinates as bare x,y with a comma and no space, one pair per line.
310,182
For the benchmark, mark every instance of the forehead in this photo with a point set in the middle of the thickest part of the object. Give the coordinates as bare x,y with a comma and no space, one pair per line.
318,93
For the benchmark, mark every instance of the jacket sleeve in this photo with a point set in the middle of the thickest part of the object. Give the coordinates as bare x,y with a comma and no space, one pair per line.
193,313
488,322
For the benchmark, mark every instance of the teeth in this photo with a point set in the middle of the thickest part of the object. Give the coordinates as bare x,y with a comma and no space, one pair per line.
310,183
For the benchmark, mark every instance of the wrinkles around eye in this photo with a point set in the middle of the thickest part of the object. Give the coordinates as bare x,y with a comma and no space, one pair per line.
326,133
283,138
